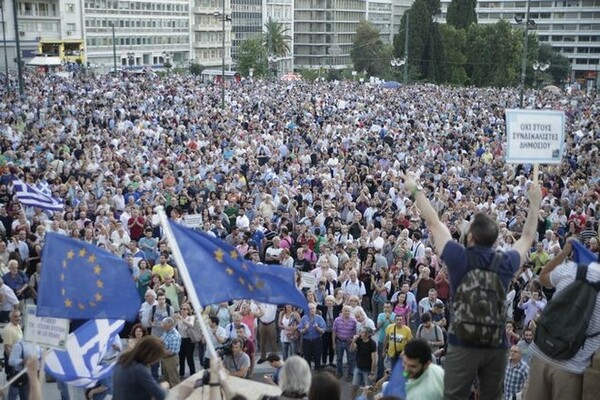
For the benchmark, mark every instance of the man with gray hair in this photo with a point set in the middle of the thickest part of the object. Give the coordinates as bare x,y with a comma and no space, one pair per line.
8,301
294,378
172,341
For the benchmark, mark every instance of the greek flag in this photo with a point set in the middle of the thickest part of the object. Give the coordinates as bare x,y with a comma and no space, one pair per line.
80,364
31,196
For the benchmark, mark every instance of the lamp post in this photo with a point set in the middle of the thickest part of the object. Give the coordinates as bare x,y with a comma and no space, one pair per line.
525,50
167,55
538,66
130,58
112,25
396,63
406,47
224,17
18,49
4,43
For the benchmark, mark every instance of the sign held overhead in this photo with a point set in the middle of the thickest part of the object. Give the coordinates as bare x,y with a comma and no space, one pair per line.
535,136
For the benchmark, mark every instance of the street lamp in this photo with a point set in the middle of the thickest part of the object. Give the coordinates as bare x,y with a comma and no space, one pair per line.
167,55
130,58
273,65
529,24
224,17
538,66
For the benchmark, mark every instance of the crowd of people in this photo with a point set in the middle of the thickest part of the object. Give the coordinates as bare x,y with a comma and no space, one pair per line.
308,175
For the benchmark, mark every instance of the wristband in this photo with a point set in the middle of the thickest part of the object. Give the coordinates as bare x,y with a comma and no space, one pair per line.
415,190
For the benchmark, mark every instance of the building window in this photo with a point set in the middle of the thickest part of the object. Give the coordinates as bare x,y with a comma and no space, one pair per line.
70,8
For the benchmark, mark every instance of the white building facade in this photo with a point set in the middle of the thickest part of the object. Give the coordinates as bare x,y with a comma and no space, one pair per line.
146,33
207,33
570,26
282,11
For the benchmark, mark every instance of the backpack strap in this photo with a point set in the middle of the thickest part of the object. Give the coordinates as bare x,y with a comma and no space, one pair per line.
582,270
475,262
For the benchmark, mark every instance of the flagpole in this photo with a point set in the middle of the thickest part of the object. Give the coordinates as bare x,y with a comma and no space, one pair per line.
24,371
185,276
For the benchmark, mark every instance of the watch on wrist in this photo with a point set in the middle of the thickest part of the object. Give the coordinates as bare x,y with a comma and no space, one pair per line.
415,190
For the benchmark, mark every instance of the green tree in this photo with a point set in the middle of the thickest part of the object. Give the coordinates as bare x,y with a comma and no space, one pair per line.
454,42
368,51
252,54
419,38
494,54
196,69
461,13
559,64
276,39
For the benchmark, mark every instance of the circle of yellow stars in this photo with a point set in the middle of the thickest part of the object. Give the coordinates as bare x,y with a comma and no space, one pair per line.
78,258
250,282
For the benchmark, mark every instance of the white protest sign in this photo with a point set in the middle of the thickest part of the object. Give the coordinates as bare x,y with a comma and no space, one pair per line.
308,280
535,137
193,220
45,331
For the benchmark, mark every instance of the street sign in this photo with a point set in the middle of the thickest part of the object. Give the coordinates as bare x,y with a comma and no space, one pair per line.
45,331
535,137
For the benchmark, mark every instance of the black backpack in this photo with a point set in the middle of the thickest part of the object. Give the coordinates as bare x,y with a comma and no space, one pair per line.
561,331
479,304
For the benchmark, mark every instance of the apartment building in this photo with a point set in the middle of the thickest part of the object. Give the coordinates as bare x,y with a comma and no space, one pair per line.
247,21
570,26
379,14
324,32
209,24
282,11
53,27
137,33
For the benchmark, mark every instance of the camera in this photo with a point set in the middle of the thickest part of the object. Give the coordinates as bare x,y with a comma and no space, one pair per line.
225,349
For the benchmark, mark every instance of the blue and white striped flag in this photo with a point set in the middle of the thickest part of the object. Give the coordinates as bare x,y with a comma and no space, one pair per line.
80,364
31,196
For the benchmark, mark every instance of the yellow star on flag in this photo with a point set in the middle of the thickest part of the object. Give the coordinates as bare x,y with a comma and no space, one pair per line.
219,255
92,259
245,266
81,306
99,283
82,253
260,284
98,297
63,291
233,254
229,271
62,277
70,254
97,270
64,264
242,281
68,303
250,288
92,304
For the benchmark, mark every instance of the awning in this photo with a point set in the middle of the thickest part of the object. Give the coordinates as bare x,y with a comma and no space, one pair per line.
44,61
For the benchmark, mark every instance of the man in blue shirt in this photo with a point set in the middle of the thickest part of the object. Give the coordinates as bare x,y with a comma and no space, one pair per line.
465,361
172,341
312,327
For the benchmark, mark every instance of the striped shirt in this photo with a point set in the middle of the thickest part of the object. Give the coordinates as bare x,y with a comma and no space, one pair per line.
560,278
344,329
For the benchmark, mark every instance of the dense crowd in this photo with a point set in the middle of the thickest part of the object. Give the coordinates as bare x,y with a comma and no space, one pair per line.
306,175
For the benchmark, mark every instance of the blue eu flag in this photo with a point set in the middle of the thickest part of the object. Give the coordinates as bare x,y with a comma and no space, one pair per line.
219,272
581,254
397,382
82,281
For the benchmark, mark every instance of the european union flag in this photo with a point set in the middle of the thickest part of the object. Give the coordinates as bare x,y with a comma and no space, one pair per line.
581,254
219,272
82,281
397,383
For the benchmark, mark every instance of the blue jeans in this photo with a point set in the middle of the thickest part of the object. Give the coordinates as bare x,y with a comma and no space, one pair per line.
288,350
380,360
342,346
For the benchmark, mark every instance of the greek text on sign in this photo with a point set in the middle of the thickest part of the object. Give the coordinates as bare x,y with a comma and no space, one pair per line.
45,331
535,137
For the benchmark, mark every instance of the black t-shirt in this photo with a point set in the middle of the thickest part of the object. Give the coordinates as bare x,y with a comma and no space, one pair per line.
363,353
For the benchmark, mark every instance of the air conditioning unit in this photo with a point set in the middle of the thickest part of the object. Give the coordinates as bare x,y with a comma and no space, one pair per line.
69,33
21,33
